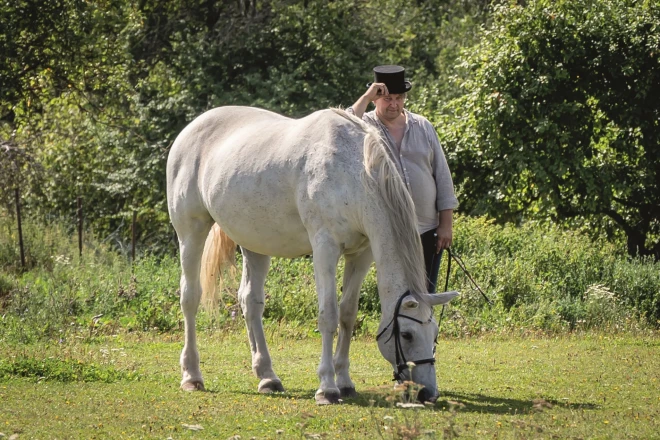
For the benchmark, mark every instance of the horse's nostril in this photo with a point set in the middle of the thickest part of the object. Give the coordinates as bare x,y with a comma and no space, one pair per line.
427,396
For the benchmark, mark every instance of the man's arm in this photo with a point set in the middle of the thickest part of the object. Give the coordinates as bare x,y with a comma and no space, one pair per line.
446,200
374,92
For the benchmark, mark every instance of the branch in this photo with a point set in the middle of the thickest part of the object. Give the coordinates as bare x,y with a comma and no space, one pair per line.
631,204
618,218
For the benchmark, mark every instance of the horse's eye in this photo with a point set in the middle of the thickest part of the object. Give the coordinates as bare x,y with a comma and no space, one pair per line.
407,336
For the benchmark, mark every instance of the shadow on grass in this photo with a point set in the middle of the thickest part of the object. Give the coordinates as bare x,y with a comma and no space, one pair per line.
288,394
463,402
476,403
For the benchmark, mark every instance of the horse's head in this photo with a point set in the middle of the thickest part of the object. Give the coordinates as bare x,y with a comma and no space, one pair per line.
409,335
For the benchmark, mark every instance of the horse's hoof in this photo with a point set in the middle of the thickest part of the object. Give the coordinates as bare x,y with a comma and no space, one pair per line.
193,386
271,386
347,392
327,397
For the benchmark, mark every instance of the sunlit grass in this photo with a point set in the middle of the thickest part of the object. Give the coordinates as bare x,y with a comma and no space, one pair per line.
578,386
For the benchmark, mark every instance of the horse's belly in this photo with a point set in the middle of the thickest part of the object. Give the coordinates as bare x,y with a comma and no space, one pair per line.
263,220
269,234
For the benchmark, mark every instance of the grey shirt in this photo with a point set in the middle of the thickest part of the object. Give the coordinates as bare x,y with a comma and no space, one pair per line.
423,167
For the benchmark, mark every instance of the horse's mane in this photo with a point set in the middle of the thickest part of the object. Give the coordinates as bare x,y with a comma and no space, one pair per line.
381,176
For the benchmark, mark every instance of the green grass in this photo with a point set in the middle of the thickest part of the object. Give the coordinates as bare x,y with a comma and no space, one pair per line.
581,385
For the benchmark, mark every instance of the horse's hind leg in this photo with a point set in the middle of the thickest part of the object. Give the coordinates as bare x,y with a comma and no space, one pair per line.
252,299
355,270
192,235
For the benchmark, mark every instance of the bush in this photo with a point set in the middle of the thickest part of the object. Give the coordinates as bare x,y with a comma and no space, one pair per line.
555,118
537,270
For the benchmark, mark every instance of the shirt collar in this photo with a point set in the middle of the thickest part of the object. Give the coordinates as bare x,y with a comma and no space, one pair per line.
411,118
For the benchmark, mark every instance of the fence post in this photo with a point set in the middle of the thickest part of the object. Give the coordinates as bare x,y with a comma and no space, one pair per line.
20,227
80,227
133,234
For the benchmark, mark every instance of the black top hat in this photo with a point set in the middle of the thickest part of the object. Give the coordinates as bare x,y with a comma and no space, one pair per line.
393,78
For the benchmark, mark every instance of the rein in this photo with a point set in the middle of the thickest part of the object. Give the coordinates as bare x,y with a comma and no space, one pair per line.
461,264
401,363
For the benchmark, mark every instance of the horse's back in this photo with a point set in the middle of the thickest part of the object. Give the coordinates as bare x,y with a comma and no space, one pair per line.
210,129
192,153
264,177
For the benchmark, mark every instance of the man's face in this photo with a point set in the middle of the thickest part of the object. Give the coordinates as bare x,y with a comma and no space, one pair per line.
389,107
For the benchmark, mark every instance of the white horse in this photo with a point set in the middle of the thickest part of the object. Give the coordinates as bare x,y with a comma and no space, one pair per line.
323,184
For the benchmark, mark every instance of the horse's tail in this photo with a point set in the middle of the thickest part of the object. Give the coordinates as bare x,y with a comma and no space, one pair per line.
219,254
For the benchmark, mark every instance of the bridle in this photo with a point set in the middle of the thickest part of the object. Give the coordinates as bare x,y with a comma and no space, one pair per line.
401,363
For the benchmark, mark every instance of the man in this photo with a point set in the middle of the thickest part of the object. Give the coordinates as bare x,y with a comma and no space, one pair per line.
417,153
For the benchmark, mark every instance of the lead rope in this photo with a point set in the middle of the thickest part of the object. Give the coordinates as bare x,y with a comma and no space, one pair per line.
442,313
459,261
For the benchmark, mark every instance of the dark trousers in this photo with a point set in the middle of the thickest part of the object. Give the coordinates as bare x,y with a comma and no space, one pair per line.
431,259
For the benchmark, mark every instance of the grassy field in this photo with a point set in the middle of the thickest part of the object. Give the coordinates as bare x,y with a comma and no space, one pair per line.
589,385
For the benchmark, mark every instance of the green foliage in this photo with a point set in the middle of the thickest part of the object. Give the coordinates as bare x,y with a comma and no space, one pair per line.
552,119
40,40
99,123
62,294
558,118
151,300
543,277
291,293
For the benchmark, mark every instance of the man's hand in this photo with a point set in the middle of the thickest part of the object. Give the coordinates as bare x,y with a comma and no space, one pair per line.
373,93
376,91
444,238
444,232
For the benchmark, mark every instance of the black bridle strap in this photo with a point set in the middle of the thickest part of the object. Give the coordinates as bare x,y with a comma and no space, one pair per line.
399,316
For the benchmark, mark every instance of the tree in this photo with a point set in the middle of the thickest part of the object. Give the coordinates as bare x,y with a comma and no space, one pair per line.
53,46
560,118
97,90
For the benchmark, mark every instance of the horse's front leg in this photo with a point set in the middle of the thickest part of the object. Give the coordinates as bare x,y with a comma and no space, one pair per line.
356,269
252,299
326,257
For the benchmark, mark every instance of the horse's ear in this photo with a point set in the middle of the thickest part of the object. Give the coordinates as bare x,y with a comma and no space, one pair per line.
436,299
410,303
